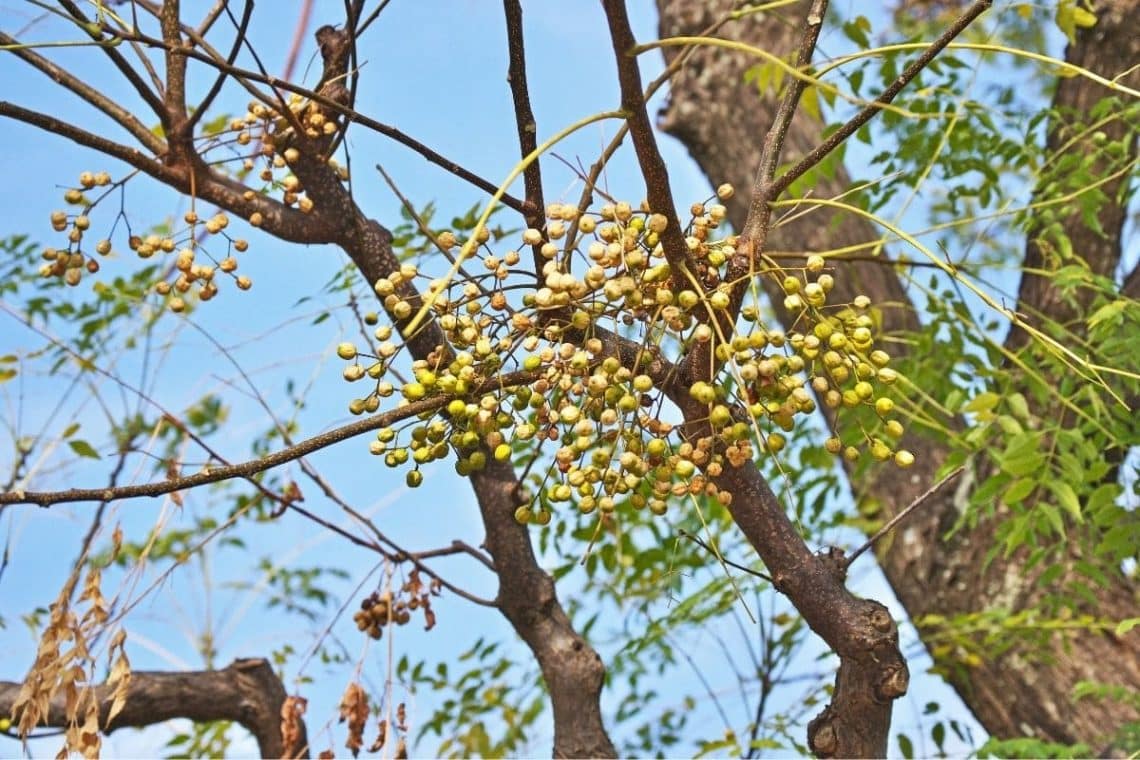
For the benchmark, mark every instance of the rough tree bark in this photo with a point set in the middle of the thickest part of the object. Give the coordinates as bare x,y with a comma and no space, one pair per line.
247,692
720,119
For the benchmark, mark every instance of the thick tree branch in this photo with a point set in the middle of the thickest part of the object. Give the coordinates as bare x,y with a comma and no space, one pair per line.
657,190
573,671
247,692
178,134
717,116
872,671
287,223
132,156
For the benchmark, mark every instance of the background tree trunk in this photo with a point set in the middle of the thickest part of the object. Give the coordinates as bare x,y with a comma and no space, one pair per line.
722,121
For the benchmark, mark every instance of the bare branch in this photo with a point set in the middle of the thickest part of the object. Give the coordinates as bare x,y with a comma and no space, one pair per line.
591,179
657,190
119,60
534,214
132,156
760,212
872,109
245,76
742,266
91,95
284,222
174,98
894,521
220,80
456,547
716,553
261,464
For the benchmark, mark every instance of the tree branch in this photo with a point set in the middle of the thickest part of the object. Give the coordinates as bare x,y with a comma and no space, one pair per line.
872,109
535,213
261,464
742,266
658,192
128,72
220,80
61,76
894,521
247,692
178,135
353,116
132,156
286,223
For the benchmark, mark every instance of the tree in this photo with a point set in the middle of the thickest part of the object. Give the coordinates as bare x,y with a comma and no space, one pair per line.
620,360
1010,693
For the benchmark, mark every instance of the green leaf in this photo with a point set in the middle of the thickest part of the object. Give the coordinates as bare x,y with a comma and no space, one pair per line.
1111,313
856,30
983,402
1018,406
1068,500
1018,490
84,449
1124,626
1009,425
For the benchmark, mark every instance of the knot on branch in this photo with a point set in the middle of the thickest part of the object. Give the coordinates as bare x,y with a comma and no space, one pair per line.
834,563
336,52
822,738
893,684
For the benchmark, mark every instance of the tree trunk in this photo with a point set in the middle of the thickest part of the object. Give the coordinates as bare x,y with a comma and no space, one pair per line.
722,121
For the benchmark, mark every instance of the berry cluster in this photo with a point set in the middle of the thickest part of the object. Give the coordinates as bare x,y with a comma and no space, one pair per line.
379,609
603,274
189,274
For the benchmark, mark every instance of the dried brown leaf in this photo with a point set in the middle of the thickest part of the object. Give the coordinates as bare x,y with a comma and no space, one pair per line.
354,709
292,710
381,736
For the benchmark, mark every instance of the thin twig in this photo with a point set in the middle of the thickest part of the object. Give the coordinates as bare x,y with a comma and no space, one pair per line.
715,553
261,464
426,231
836,138
526,126
245,76
91,95
128,71
902,515
591,178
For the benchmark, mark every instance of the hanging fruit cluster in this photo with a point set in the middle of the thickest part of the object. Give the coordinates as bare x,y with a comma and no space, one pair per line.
604,421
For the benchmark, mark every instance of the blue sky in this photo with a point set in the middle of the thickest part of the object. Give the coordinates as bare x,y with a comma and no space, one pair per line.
437,71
